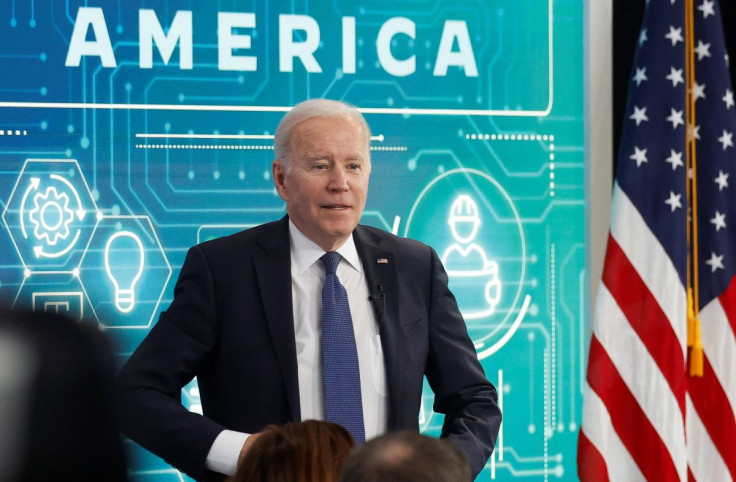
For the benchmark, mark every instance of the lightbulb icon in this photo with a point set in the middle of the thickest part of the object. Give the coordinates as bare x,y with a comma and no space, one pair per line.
124,266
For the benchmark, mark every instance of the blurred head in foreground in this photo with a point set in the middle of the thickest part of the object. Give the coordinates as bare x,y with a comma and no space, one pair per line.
57,417
405,456
309,451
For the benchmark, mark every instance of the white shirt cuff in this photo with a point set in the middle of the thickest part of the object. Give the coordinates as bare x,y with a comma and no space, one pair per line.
223,456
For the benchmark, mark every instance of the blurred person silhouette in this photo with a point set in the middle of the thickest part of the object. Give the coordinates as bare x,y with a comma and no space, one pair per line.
57,414
405,456
309,451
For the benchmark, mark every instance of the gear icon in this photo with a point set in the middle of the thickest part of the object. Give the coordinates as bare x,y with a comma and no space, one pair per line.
51,216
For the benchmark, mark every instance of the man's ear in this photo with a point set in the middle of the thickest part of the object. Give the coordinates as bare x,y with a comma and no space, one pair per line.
278,172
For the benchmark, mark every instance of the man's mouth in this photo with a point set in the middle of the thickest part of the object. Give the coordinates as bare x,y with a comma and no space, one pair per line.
337,207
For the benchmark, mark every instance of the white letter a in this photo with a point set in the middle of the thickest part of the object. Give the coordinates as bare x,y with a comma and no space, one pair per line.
79,46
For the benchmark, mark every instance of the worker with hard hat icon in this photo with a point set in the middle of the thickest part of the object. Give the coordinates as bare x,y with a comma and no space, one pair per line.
474,278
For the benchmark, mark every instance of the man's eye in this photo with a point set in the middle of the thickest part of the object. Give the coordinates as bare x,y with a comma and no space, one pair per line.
320,167
354,166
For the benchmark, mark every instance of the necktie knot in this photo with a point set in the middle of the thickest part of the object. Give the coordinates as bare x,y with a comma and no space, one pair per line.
330,260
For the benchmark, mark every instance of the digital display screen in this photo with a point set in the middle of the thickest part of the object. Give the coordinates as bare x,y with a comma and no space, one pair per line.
130,131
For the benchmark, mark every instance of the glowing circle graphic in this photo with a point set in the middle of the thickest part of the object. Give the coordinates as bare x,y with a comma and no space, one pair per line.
469,218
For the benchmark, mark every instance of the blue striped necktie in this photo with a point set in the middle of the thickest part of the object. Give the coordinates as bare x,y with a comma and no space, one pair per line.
340,370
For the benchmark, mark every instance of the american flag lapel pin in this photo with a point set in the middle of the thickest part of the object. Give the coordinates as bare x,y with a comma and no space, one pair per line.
382,260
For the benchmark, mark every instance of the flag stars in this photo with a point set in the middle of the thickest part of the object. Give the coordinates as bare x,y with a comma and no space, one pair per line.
675,35
715,262
703,50
719,220
675,159
674,201
726,139
675,77
676,118
728,99
721,180
640,76
643,36
699,91
639,155
707,8
639,115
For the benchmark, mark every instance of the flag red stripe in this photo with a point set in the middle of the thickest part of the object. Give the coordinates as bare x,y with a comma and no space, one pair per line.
591,464
646,318
631,424
728,301
715,412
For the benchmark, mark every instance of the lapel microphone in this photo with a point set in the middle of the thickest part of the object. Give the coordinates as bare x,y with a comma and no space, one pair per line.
377,296
380,295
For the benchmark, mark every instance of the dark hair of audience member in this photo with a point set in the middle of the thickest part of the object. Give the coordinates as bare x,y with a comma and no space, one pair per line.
309,451
57,412
405,456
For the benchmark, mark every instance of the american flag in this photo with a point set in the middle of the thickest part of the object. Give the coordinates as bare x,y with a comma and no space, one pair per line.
644,417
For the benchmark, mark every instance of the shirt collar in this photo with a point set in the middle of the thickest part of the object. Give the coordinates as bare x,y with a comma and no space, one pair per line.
305,252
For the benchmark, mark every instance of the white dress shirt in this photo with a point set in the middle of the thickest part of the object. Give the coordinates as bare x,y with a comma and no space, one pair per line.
307,279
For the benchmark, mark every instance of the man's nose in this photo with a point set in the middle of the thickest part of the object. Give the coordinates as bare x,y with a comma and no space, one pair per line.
338,180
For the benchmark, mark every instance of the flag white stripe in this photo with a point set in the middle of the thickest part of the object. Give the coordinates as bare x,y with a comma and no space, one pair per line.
647,255
598,428
642,376
719,345
705,462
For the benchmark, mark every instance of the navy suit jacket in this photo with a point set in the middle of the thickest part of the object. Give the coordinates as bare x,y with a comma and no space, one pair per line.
231,325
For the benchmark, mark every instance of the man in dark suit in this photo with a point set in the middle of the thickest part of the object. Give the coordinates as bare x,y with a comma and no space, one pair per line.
246,319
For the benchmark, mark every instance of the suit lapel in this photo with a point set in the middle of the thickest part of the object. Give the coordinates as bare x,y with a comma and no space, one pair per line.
273,271
380,272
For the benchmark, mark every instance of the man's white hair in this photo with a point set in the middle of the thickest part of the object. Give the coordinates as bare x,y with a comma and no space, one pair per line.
308,109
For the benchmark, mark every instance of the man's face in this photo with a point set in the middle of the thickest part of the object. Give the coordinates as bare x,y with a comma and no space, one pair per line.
326,184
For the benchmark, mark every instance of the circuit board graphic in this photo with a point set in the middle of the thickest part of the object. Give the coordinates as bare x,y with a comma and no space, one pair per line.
130,131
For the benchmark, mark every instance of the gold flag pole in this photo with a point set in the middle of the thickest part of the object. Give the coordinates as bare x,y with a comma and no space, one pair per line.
693,322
